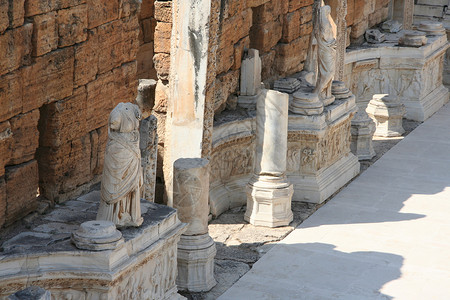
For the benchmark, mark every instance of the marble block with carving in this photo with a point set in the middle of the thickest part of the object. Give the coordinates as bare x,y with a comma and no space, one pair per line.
122,176
143,265
250,79
412,73
387,112
196,249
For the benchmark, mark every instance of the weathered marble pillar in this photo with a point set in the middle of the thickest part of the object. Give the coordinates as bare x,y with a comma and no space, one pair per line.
250,79
187,83
145,98
148,143
196,249
269,193
362,127
387,112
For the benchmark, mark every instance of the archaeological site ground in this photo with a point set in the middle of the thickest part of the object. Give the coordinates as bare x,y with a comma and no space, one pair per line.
224,149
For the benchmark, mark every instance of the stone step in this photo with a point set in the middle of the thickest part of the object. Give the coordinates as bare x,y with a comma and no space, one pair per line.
428,10
433,2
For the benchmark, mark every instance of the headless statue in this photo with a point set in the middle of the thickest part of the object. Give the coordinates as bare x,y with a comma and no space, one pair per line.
122,174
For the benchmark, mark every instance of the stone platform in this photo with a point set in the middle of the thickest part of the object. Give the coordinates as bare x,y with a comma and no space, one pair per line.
412,74
143,267
319,161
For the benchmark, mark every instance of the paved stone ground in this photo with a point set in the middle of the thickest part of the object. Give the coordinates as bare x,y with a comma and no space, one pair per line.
385,236
240,245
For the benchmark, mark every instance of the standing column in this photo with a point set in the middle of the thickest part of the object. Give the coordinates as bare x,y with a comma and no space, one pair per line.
269,193
196,249
187,83
148,143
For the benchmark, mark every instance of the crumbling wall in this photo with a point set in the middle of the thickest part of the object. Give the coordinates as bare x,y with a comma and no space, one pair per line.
147,24
364,14
63,66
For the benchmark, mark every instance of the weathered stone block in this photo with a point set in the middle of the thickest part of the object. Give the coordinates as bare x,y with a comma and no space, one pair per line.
239,49
86,60
45,33
129,8
163,11
291,26
264,37
226,84
296,4
15,46
358,29
25,137
147,9
10,95
290,56
235,28
49,79
378,16
101,12
162,65
161,96
5,145
72,24
16,13
2,200
148,27
268,12
38,7
110,41
64,120
22,182
163,32
4,19
145,61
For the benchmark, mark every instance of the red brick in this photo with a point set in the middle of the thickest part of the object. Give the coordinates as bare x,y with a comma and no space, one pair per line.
49,79
101,12
22,182
15,48
72,24
45,33
10,95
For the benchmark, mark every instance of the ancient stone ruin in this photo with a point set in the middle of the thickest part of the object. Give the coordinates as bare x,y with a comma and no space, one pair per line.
126,126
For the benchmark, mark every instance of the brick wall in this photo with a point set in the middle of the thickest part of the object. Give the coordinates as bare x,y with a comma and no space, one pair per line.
63,66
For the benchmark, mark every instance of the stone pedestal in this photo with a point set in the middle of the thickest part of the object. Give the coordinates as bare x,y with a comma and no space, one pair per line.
387,113
143,266
413,39
269,201
269,193
250,79
362,130
196,249
306,103
97,236
362,127
196,263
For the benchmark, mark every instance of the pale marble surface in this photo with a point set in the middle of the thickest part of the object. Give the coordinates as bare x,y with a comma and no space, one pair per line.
367,242
122,176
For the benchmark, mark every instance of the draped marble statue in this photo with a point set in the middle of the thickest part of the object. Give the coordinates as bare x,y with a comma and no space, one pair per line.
122,174
326,53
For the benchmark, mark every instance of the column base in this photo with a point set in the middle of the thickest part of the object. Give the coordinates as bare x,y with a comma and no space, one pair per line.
269,201
362,130
196,263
